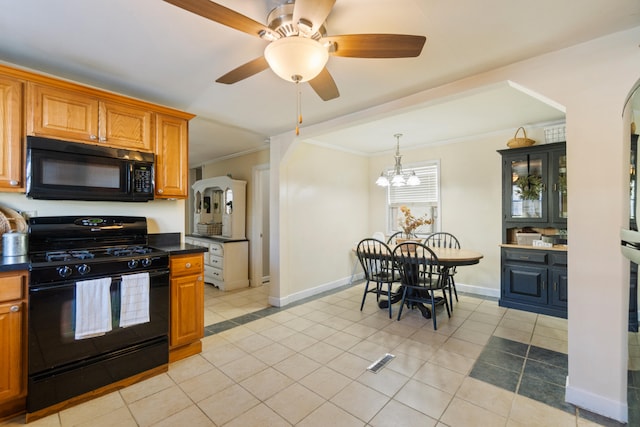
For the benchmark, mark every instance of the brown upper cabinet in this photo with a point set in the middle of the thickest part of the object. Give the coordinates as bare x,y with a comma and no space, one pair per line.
172,148
11,170
83,117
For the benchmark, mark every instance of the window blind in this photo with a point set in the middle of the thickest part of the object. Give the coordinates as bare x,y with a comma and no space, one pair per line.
425,192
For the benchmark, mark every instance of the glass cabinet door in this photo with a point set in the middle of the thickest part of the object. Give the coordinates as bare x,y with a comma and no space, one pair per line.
559,165
527,174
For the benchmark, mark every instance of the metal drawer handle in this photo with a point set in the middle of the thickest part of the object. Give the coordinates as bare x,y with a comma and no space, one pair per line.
524,257
13,183
14,308
188,265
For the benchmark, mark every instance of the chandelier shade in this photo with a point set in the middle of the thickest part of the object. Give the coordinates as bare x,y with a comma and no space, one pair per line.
296,58
397,178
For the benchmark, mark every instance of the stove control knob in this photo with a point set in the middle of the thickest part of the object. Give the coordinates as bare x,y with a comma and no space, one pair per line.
132,263
83,269
146,262
64,271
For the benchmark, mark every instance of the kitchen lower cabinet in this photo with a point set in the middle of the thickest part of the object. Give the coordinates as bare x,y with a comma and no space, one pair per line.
534,280
226,263
13,340
187,305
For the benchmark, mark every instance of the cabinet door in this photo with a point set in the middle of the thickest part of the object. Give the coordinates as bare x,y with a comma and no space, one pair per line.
559,287
525,283
172,157
125,126
61,113
187,310
12,369
11,176
558,188
524,182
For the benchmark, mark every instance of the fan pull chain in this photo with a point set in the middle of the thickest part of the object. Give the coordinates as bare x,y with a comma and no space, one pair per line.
298,108
297,79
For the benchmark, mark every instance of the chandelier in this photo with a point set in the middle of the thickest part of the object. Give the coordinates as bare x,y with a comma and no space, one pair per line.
397,177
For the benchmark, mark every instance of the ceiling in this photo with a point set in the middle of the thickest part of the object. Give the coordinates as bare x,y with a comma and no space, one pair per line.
152,50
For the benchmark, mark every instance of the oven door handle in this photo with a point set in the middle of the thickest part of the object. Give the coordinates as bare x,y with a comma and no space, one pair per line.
107,227
116,279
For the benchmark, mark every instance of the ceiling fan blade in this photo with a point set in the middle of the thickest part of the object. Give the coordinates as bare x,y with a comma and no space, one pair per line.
221,15
376,45
324,85
244,71
314,11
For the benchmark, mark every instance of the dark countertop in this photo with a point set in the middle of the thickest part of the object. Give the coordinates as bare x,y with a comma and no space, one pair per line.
181,249
14,263
168,242
217,238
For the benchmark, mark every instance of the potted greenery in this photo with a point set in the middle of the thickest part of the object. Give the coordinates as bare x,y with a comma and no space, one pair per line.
528,188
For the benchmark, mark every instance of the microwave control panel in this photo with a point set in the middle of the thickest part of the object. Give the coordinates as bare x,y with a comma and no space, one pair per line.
143,179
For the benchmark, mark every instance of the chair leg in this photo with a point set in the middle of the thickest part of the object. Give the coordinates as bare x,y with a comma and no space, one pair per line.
446,303
389,299
453,285
433,310
404,296
364,296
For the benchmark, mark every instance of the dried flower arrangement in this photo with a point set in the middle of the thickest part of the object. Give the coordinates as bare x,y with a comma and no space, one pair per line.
409,222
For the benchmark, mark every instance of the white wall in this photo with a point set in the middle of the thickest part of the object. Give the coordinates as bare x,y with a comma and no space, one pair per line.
325,213
470,178
592,81
163,216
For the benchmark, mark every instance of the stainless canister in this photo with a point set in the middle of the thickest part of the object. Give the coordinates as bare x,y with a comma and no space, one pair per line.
14,244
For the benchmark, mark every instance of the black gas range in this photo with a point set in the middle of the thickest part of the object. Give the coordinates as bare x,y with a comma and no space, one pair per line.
75,256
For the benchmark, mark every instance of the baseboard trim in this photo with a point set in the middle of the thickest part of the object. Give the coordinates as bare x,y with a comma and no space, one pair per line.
348,281
315,291
604,406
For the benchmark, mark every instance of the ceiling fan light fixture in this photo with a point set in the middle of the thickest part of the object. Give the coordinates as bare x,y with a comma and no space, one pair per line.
296,56
269,36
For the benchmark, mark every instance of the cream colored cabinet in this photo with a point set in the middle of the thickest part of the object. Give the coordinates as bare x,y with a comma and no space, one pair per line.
187,305
78,116
226,264
172,147
11,170
13,339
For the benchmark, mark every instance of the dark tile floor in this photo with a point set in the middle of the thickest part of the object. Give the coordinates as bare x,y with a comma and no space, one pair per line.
540,374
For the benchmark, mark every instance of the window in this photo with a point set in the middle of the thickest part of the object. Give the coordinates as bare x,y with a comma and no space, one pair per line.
421,199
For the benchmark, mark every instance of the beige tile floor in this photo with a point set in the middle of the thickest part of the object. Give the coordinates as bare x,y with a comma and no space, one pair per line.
306,366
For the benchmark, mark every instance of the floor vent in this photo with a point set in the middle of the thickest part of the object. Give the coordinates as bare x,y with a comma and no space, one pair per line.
380,363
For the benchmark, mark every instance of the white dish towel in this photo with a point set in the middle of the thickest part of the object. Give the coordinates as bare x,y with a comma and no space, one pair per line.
134,299
93,308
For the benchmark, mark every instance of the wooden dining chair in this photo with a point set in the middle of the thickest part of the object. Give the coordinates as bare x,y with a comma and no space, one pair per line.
377,262
445,240
421,278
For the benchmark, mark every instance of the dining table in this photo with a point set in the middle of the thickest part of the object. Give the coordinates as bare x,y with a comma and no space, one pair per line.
448,258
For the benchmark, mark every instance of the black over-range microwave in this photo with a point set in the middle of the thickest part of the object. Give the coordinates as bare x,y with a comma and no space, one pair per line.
61,170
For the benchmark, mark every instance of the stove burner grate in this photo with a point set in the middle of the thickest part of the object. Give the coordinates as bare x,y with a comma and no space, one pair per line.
128,250
68,255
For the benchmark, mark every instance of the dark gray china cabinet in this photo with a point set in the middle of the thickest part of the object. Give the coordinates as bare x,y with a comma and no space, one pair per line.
534,200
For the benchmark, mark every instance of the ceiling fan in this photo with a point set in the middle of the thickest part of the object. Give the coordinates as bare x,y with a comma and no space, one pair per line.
299,46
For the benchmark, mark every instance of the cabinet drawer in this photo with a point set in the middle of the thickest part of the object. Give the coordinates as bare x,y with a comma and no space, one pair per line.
186,264
11,287
525,256
216,273
216,249
559,258
216,261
